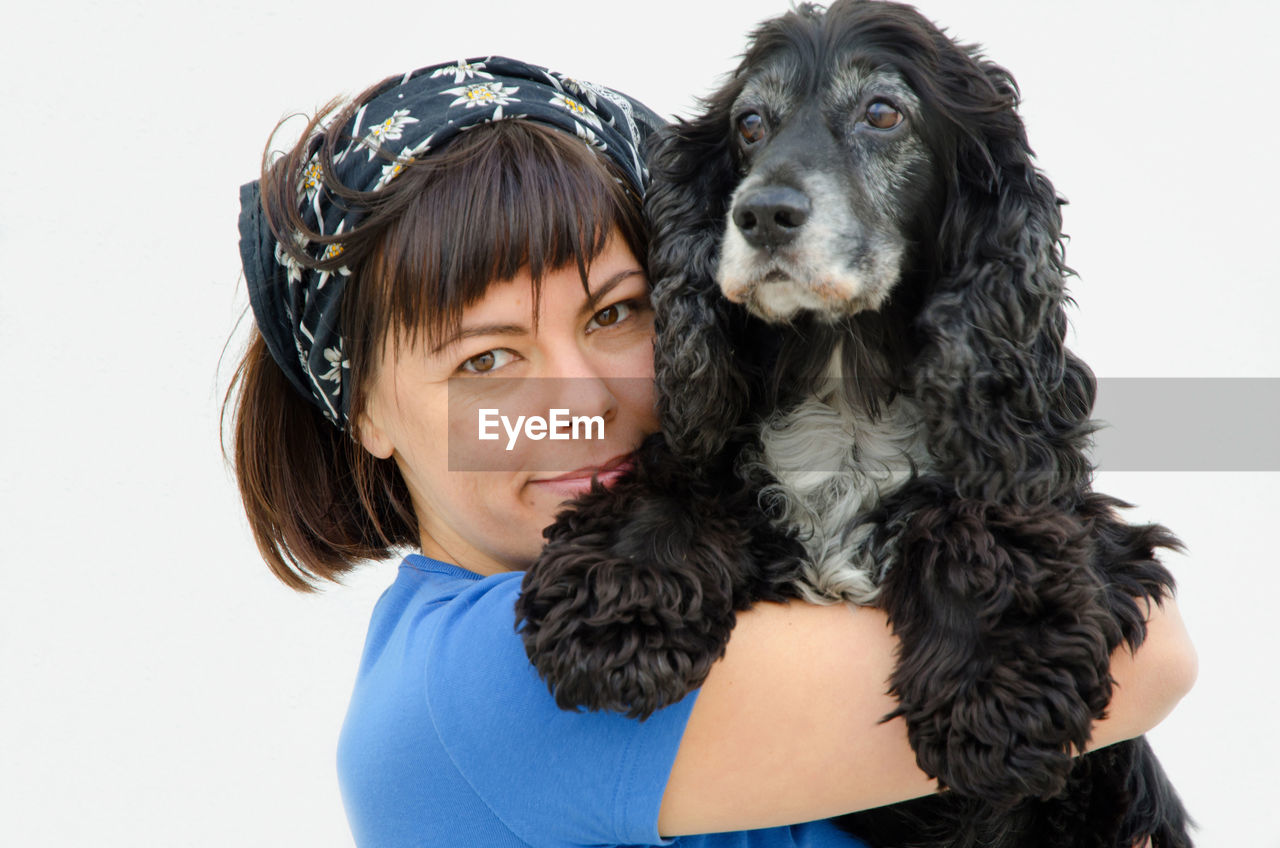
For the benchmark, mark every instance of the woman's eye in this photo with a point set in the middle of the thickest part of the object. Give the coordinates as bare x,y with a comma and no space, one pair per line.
490,360
610,315
751,127
883,115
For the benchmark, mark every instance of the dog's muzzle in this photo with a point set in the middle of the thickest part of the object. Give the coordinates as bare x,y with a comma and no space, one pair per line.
790,249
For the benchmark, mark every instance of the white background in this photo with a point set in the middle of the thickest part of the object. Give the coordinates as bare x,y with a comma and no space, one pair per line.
160,688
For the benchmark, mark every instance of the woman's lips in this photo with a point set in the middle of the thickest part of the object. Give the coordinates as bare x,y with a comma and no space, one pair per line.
578,481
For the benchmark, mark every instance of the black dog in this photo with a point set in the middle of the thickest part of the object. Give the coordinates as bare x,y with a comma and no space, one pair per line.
858,281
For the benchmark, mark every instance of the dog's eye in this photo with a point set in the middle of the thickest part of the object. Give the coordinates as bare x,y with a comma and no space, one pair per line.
751,127
883,116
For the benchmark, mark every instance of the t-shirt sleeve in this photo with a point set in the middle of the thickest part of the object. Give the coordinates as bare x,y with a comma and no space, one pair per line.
553,777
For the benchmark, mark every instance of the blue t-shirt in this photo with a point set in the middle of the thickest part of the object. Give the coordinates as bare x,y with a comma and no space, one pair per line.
452,739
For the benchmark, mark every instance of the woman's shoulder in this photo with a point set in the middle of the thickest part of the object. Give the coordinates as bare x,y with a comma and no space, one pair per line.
447,704
425,594
441,646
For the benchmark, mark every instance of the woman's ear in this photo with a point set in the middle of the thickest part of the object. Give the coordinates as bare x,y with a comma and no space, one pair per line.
373,437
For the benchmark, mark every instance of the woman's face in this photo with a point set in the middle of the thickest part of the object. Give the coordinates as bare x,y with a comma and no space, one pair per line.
482,502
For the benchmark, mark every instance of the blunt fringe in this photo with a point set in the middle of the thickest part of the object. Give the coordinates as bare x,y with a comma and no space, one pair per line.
502,197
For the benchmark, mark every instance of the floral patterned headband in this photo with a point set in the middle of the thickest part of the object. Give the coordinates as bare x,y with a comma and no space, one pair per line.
296,307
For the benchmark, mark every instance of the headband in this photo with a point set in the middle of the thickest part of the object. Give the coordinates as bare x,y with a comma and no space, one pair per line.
295,306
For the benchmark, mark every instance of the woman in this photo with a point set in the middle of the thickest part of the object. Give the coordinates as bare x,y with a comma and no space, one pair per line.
416,258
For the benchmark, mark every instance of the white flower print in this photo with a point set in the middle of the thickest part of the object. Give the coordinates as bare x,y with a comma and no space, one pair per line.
392,129
407,154
582,113
312,179
484,94
331,251
292,267
586,134
462,70
419,149
392,170
581,89
337,361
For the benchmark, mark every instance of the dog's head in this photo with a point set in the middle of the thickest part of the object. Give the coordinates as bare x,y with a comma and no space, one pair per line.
834,168
844,127
863,169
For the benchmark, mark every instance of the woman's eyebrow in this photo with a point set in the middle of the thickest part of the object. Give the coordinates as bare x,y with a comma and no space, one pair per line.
594,297
481,330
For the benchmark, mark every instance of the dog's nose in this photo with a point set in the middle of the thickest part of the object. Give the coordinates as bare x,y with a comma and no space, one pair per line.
771,216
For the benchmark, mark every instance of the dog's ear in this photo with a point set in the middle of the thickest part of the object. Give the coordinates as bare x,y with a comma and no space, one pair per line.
1006,403
702,387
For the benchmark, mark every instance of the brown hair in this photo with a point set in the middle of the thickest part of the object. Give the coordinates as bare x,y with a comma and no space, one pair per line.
502,197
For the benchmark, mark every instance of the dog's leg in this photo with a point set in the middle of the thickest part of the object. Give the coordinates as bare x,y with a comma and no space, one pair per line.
1005,634
636,593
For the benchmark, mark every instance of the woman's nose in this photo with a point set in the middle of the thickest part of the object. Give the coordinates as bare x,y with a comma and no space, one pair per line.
581,385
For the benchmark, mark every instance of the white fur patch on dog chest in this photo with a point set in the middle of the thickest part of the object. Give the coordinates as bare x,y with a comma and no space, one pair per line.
832,464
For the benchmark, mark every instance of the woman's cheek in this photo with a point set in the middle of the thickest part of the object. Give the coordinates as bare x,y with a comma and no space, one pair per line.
479,428
634,387
640,397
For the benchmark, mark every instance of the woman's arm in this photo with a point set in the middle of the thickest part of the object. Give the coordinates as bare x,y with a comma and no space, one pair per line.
787,726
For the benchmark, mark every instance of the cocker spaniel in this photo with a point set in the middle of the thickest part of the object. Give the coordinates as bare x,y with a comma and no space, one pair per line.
866,397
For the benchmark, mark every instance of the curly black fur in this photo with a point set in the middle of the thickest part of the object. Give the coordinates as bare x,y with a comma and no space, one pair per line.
1007,580
641,592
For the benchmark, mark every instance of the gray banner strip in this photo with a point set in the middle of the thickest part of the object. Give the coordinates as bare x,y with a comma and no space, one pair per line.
1188,424
1145,424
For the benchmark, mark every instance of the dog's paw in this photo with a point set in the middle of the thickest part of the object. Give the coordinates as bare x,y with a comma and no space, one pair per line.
999,738
1005,635
608,633
628,606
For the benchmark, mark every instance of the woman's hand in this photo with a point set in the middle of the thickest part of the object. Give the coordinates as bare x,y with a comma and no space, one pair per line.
787,726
